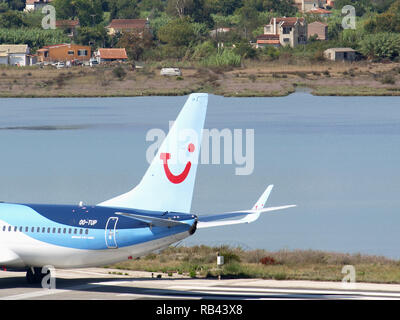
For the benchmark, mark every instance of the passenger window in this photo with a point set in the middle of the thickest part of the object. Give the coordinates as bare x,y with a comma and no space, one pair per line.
81,231
9,228
20,229
15,229
59,230
38,229
75,231
65,230
33,229
69,230
86,231
48,230
4,228
26,229
54,230
43,230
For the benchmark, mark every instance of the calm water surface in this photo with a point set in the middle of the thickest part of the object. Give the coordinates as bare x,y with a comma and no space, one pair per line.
337,158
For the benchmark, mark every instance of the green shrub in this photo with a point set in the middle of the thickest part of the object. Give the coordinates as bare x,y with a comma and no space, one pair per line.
33,37
388,79
270,52
203,50
229,256
245,50
227,58
380,45
280,276
119,72
232,268
192,273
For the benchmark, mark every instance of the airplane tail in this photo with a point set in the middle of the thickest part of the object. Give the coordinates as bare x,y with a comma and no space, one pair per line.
169,181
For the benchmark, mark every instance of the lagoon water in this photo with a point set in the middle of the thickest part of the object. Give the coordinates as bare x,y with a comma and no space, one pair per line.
337,158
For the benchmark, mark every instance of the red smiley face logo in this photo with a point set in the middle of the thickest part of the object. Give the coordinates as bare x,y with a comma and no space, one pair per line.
180,177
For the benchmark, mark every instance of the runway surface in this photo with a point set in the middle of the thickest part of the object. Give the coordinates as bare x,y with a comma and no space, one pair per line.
99,283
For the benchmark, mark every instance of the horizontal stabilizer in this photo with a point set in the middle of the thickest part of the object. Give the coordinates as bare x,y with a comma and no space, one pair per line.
152,221
217,220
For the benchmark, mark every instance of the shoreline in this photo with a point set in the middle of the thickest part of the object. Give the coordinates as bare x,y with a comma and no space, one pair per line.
256,80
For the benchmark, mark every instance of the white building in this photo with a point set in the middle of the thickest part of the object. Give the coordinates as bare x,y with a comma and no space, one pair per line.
340,54
288,30
32,5
14,54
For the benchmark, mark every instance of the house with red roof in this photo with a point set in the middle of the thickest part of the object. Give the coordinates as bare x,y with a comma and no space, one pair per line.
104,55
128,25
320,12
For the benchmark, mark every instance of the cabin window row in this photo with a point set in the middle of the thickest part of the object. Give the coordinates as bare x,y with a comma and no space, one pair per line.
46,230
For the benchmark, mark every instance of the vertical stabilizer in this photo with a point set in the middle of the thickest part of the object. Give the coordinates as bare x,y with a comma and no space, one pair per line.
169,181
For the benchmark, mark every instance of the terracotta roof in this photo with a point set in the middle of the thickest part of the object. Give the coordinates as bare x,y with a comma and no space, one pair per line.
272,41
67,23
319,11
128,23
268,37
294,19
114,53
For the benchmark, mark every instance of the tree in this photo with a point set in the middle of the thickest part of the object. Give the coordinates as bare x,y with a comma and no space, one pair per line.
14,4
248,20
281,7
178,32
135,44
124,9
150,5
33,37
388,21
179,8
245,50
93,36
89,12
361,6
11,19
381,45
227,7
65,9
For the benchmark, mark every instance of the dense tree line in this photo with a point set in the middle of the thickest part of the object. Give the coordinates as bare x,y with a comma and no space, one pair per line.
181,28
